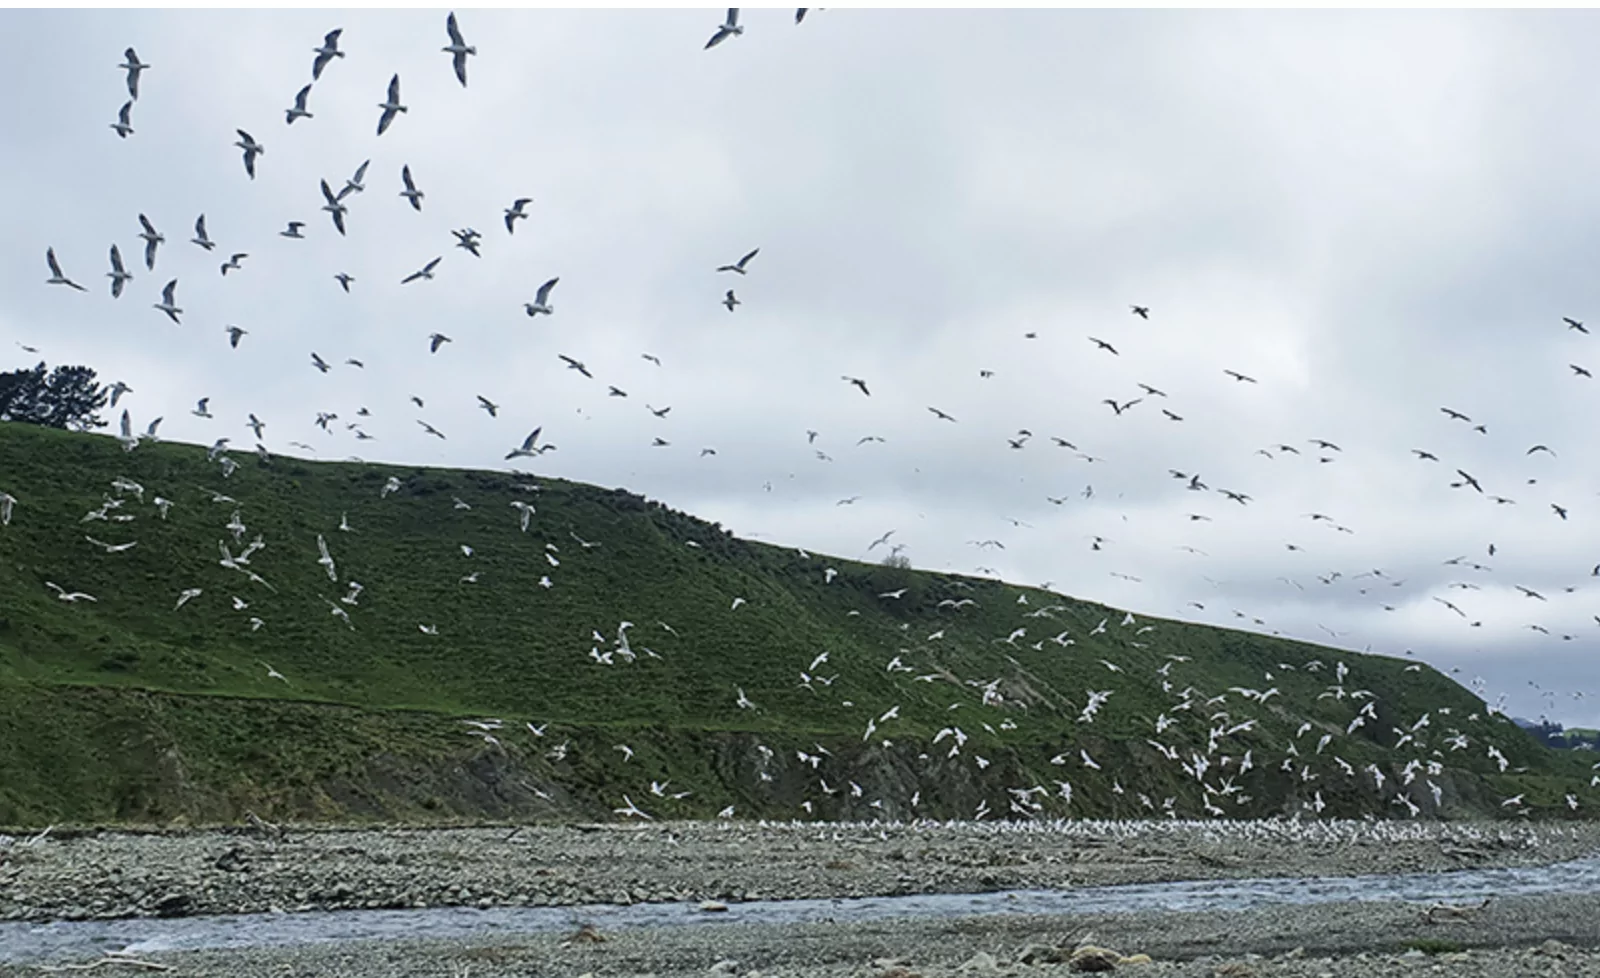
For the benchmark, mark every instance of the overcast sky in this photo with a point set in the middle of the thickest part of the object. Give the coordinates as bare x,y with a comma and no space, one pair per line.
1375,214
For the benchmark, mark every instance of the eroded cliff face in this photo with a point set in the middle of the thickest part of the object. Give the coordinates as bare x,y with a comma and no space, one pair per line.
153,758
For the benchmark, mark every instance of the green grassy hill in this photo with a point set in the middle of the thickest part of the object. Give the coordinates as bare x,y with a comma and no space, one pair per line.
129,709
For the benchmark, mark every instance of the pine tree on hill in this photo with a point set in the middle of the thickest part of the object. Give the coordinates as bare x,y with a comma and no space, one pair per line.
66,397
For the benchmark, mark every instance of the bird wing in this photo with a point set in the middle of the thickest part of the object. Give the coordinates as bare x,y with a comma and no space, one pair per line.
300,98
460,62
455,33
733,17
124,112
116,259
394,90
127,424
405,177
741,262
55,267
327,194
168,293
430,266
544,291
717,38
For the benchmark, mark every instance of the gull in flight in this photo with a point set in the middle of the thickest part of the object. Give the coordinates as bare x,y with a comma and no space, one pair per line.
940,414
576,365
129,440
526,450
1143,312
71,597
436,340
411,192
233,262
56,278
354,185
152,238
7,501
333,207
739,266
425,272
124,125
430,429
299,109
168,303
344,281
111,548
729,27
187,595
293,231
630,809
458,49
326,53
390,105
1236,375
201,238
515,211
134,67
730,300
489,406
468,238
322,365
541,300
858,382
326,559
200,409
252,149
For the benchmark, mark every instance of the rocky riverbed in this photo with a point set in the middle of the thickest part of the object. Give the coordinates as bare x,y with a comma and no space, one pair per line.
1558,937
107,874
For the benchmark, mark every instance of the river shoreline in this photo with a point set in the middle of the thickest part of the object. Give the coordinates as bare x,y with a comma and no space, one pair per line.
108,875
113,875
1535,936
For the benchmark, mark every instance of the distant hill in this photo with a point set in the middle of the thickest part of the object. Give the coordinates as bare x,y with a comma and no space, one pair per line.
930,701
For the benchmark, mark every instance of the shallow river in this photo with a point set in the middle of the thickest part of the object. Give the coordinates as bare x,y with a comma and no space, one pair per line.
27,942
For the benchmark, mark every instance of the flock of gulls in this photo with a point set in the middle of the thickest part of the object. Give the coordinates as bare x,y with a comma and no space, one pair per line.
1225,720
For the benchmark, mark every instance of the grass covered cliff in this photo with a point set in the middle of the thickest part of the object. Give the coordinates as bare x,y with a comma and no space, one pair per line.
130,708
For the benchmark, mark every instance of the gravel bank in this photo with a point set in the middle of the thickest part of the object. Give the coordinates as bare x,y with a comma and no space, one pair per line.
120,874
1515,938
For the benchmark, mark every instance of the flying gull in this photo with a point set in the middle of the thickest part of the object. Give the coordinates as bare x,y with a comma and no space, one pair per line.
458,49
390,105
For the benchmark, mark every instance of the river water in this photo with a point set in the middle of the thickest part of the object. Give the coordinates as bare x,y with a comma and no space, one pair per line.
31,942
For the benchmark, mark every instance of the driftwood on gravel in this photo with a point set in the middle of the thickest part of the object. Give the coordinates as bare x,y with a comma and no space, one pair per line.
1437,911
110,958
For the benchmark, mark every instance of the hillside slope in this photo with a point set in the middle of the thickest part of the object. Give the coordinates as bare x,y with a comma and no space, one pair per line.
131,708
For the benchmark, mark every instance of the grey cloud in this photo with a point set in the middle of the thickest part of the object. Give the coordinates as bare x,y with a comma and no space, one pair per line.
1374,213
